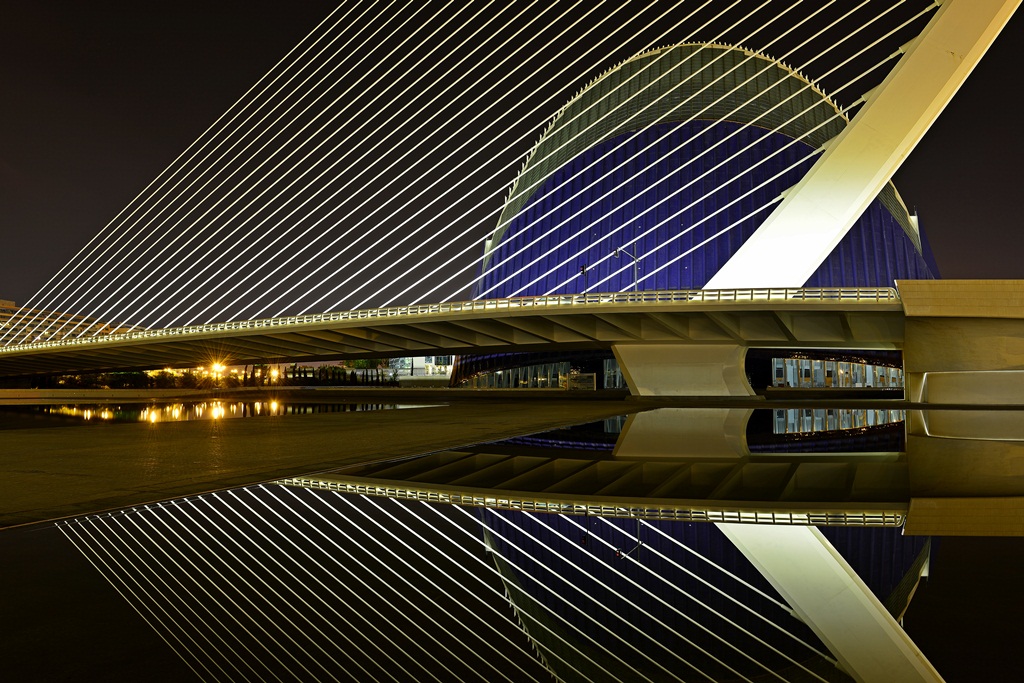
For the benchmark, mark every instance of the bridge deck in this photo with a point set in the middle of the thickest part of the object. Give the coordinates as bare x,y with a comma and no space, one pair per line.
843,317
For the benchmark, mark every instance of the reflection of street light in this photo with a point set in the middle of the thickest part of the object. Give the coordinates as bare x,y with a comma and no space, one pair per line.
636,277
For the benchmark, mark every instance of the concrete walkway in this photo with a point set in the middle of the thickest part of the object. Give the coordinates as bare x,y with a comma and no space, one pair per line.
51,473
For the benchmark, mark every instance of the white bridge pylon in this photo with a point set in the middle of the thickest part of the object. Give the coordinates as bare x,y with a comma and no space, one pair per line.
817,212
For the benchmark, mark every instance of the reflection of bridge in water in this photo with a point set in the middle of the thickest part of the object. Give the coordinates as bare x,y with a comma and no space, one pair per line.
689,342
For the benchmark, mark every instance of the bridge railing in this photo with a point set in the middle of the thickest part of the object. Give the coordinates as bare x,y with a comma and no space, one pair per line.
815,294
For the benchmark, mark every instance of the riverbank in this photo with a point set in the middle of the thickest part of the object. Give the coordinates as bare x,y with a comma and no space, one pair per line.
311,394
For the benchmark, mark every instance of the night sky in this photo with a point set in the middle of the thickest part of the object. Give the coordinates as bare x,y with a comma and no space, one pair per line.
99,97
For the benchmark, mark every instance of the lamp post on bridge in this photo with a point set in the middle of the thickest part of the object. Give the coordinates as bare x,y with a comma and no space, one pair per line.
636,276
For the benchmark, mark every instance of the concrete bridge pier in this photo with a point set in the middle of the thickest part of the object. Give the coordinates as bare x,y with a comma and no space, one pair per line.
964,341
684,369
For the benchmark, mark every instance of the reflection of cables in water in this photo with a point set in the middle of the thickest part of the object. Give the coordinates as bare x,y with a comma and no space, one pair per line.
619,552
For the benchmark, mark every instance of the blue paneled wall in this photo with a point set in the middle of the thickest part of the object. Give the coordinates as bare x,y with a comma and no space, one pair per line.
685,216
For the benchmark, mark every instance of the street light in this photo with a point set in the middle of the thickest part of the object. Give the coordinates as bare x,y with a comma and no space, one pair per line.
636,277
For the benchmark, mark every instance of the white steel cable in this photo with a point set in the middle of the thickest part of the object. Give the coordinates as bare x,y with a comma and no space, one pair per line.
406,545
191,260
750,214
175,508
192,626
661,601
692,204
184,572
548,154
101,235
497,263
746,584
721,592
169,173
507,584
678,589
397,266
244,181
568,583
152,230
551,591
420,592
377,541
135,601
708,217
693,160
169,512
506,149
385,547
168,542
279,235
397,592
474,246
420,210
233,538
342,583
365,200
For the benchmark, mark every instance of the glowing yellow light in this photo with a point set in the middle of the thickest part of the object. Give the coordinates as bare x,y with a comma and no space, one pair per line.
152,416
217,367
217,411
273,407
274,373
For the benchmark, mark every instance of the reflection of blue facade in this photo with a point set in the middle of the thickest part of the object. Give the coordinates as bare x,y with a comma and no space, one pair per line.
684,216
685,597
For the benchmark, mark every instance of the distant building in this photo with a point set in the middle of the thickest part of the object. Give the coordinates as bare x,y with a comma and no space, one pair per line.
21,326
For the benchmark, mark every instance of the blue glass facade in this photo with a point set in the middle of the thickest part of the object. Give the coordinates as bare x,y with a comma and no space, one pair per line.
684,196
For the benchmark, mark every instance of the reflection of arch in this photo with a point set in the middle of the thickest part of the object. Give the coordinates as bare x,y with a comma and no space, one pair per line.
729,620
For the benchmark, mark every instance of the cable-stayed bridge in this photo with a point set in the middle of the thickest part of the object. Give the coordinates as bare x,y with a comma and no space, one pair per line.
367,169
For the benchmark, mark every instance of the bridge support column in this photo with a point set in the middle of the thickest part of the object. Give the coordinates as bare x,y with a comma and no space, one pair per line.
684,369
964,341
833,601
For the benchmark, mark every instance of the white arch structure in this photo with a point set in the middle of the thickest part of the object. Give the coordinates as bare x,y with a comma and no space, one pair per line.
819,210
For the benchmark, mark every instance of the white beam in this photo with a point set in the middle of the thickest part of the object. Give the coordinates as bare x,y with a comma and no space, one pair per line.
826,593
819,210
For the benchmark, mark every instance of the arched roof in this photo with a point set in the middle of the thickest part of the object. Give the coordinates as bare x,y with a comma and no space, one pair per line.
680,83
